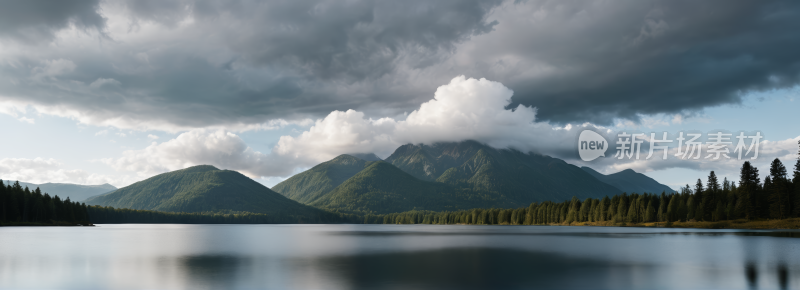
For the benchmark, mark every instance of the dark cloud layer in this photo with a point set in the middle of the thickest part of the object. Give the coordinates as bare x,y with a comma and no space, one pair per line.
195,64
36,21
670,56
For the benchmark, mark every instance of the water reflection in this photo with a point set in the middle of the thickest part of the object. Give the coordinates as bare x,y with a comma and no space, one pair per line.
394,257
213,271
751,273
783,276
479,268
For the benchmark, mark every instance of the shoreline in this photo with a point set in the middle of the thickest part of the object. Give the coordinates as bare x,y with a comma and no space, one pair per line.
740,224
50,224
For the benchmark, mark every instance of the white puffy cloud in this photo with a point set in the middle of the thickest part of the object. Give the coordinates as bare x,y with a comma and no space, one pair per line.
219,148
466,108
41,170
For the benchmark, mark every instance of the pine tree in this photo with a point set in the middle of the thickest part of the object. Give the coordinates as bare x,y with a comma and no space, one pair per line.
710,196
683,210
650,212
779,198
672,208
748,187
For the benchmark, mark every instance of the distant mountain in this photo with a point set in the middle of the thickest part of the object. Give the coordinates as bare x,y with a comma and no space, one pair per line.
382,188
75,192
202,188
520,177
630,181
444,176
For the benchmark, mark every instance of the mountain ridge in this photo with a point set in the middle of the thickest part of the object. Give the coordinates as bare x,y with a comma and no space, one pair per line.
630,181
75,192
202,188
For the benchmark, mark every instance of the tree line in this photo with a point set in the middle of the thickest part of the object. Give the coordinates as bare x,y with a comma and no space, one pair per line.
111,215
778,197
20,205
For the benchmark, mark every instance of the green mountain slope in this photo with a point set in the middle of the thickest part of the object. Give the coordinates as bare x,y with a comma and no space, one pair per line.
383,188
445,176
75,192
201,188
519,177
630,181
308,186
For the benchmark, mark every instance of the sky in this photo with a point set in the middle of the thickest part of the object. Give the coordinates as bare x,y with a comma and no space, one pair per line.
115,92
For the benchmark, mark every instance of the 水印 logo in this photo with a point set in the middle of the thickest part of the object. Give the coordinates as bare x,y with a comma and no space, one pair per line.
591,145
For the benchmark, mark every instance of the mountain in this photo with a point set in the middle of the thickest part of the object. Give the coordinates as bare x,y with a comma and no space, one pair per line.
202,188
75,192
366,156
383,188
519,177
630,181
308,186
445,176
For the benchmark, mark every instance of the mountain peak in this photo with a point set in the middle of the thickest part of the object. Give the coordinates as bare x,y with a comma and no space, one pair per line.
366,156
199,168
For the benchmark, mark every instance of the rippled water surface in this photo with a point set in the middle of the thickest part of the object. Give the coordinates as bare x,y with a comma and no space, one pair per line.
394,257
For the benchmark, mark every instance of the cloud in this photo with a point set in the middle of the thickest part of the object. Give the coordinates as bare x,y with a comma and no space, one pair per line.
182,65
41,170
32,22
103,82
253,62
597,61
151,136
220,148
27,120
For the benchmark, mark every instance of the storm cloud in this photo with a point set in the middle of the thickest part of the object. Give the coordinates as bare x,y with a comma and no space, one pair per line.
182,65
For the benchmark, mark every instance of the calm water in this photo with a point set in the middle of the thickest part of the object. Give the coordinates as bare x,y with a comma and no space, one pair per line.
394,257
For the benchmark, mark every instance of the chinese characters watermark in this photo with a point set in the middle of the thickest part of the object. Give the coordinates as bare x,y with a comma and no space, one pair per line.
717,145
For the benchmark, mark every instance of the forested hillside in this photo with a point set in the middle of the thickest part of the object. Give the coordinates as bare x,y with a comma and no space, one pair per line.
519,177
308,186
383,188
777,198
203,188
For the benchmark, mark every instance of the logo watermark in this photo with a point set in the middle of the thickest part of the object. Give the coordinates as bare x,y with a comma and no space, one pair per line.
718,145
591,145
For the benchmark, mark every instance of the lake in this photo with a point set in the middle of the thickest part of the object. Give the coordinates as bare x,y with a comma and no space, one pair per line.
138,256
